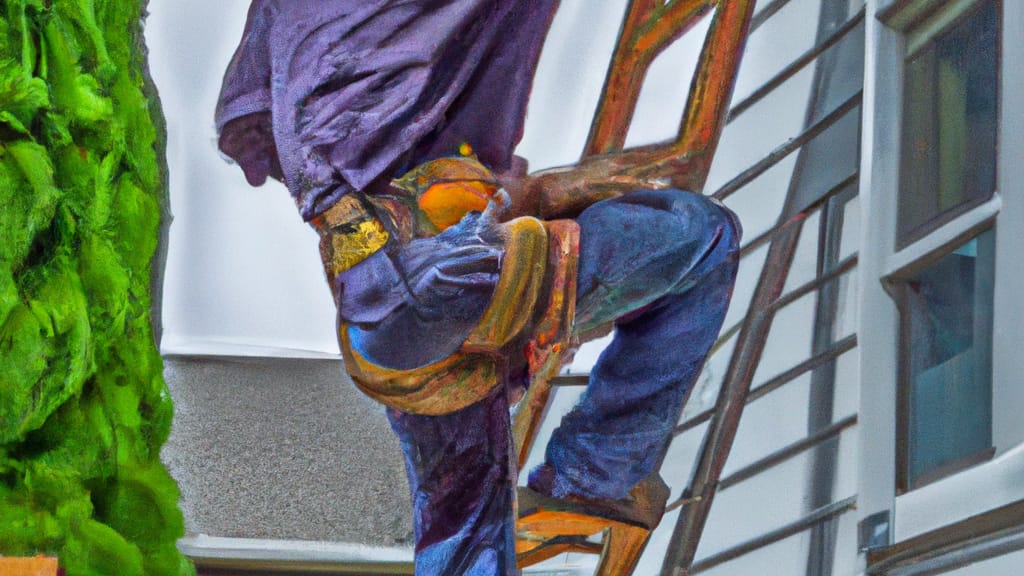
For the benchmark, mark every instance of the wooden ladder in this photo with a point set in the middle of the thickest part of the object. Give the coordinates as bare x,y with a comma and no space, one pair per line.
546,526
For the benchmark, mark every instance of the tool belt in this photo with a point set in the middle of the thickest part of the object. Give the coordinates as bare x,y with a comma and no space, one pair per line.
530,316
531,313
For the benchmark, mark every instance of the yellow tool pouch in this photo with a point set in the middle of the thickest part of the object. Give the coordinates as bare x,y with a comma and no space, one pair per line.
349,233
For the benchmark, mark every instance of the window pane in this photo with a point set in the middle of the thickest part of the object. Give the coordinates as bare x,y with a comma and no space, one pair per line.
948,326
949,131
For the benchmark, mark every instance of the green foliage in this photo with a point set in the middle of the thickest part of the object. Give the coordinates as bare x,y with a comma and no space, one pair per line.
83,406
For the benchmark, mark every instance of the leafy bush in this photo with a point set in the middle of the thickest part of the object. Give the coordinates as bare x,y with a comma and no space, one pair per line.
84,409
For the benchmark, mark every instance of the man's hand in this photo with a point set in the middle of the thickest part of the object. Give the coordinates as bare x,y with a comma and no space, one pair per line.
249,140
520,195
566,191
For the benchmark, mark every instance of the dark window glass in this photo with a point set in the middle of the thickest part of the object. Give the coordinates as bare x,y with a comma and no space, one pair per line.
949,127
947,335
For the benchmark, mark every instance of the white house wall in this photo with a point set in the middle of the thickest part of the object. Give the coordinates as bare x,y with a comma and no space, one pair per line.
244,278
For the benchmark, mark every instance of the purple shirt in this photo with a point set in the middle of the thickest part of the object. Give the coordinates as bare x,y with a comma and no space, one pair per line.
350,93
339,96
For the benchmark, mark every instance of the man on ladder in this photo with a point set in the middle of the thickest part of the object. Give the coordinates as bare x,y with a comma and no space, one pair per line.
393,125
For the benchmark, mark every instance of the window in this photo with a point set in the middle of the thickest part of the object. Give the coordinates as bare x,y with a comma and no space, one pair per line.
950,115
947,166
940,335
946,362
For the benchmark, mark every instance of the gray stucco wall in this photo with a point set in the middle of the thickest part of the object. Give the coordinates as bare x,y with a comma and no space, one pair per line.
287,449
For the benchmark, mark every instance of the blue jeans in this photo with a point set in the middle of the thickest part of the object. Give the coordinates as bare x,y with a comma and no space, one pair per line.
661,265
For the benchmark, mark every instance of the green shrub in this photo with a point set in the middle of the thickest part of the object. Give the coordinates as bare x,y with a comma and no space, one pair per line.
84,409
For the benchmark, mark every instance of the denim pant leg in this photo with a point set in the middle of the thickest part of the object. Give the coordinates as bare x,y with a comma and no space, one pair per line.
666,260
663,263
462,477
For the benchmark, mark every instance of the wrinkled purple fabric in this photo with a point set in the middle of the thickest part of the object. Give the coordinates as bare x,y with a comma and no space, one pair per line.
360,90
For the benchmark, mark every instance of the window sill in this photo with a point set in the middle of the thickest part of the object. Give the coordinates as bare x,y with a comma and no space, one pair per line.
975,539
970,493
254,556
951,468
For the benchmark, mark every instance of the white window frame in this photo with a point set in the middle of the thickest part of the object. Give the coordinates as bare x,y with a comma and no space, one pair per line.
996,482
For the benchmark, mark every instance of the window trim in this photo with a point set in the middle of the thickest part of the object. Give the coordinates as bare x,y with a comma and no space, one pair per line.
919,21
